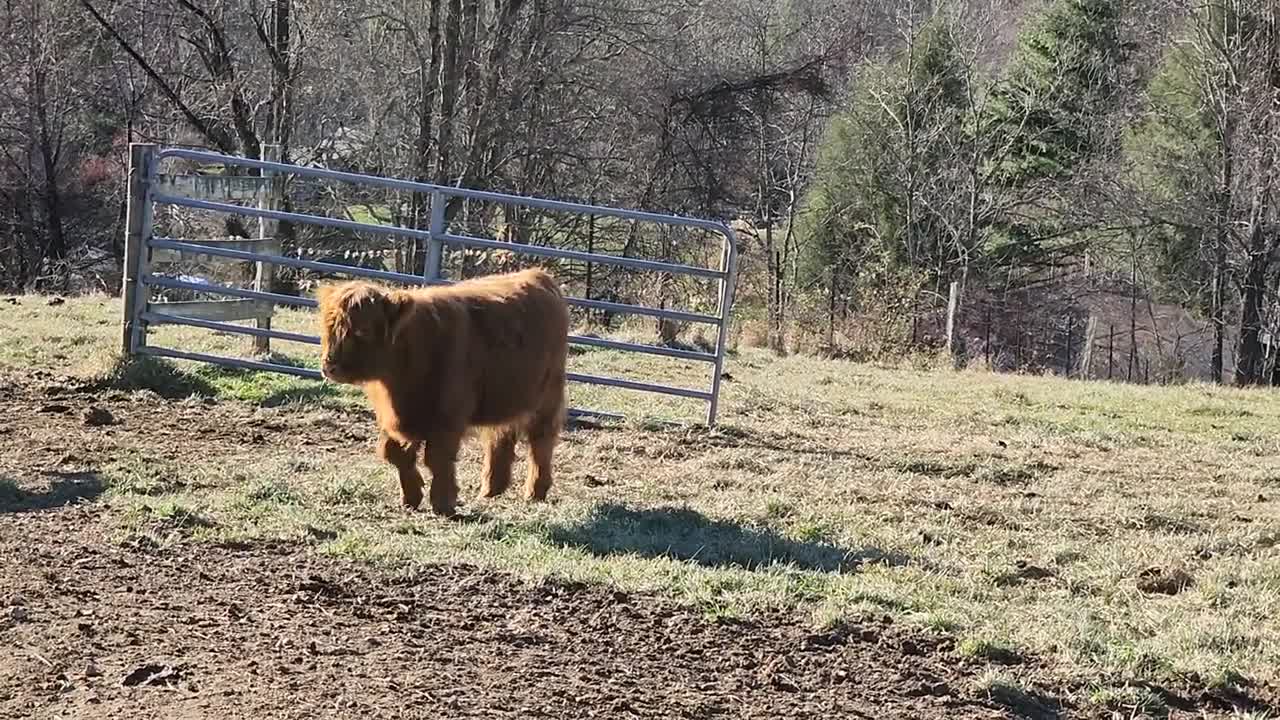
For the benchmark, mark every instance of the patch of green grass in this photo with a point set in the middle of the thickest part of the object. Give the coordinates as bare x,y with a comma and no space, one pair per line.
346,490
138,474
176,515
274,491
987,649
1023,700
1131,701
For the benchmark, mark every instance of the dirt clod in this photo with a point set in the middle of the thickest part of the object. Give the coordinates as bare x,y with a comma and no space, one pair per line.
1027,571
153,674
1161,581
98,417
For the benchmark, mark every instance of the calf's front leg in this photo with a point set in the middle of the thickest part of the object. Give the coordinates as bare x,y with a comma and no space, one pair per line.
404,457
442,457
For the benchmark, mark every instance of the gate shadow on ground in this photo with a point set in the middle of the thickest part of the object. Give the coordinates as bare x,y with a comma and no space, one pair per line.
312,394
65,488
688,535
173,383
159,376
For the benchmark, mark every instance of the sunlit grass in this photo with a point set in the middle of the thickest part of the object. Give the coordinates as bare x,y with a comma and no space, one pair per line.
1019,514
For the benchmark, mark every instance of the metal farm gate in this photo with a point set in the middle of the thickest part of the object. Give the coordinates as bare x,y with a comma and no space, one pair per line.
149,188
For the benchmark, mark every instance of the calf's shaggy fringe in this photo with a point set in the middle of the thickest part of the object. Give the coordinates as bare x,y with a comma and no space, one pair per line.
485,354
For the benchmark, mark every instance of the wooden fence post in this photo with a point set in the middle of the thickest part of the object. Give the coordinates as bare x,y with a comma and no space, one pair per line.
1071,327
137,230
953,305
1090,336
265,273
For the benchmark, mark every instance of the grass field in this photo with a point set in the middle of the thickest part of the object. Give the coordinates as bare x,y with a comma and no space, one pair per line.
1114,534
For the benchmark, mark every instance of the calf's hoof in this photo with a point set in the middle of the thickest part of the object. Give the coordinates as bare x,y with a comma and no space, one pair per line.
411,500
445,509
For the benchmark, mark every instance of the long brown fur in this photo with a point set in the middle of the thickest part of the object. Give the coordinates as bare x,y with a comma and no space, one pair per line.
487,353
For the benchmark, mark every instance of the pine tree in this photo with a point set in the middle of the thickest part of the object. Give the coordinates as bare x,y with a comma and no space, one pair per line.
884,167
1204,162
1043,124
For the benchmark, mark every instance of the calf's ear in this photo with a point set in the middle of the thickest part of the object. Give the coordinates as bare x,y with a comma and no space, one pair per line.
393,308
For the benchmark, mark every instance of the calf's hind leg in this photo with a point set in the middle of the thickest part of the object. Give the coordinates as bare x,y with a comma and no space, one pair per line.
404,456
544,433
499,454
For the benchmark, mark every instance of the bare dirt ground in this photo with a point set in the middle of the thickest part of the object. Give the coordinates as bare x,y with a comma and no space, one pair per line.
91,627
101,631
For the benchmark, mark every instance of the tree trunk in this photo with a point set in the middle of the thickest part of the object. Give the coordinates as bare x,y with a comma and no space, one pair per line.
472,33
1249,354
1133,316
1216,311
831,313
771,301
428,90
451,73
1250,360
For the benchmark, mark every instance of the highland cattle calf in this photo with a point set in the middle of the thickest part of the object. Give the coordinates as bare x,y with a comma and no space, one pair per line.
486,354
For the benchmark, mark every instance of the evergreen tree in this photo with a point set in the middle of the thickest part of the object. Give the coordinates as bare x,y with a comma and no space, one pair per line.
1204,161
1043,123
886,179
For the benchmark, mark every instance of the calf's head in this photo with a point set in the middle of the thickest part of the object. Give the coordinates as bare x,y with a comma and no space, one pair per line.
357,321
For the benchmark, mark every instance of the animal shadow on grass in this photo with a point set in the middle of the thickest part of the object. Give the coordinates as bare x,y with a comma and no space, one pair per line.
65,488
684,534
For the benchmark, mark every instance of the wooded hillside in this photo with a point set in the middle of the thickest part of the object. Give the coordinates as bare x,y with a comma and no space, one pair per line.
1096,180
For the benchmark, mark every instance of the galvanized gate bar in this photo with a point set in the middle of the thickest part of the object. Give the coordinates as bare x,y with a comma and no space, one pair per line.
483,195
548,252
166,319
396,231
651,349
315,374
143,196
212,289
231,362
625,309
319,266
158,318
641,386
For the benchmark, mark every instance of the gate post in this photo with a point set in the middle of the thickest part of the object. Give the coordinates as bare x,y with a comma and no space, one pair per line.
726,286
265,273
137,235
435,246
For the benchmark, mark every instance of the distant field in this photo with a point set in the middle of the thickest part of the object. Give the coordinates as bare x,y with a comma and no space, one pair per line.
1113,533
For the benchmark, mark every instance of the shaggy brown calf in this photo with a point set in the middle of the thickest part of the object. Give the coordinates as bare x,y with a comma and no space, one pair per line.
487,353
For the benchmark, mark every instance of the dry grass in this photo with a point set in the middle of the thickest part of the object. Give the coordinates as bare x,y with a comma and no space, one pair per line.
1020,514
